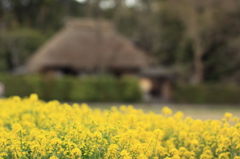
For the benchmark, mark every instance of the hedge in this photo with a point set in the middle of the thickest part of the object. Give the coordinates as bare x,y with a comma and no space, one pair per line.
106,88
103,88
207,93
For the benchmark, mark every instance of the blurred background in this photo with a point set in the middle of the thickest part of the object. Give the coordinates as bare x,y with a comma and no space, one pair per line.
124,51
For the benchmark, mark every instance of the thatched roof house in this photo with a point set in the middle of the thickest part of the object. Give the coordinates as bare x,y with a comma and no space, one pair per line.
87,45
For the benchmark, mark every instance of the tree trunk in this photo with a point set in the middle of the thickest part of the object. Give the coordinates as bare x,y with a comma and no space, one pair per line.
117,13
198,64
199,48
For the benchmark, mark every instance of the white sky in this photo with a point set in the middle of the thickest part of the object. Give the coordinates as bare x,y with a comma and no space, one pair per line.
81,1
109,4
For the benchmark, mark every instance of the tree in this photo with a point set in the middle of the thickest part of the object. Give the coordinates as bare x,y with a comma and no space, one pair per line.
202,26
18,44
25,24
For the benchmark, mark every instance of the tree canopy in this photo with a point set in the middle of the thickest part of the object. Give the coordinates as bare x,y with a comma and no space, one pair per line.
200,39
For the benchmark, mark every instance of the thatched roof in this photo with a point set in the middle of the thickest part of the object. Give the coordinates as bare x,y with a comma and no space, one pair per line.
85,44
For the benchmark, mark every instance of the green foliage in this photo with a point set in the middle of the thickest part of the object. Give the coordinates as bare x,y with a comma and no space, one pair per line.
16,85
207,93
130,88
97,88
166,31
17,45
45,15
101,88
106,88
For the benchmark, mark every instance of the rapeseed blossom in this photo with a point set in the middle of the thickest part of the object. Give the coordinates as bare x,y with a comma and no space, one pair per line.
31,128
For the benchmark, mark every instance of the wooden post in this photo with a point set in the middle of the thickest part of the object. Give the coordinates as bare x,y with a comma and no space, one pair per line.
166,91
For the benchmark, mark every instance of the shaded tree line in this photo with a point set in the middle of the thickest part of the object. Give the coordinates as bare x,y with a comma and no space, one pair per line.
199,39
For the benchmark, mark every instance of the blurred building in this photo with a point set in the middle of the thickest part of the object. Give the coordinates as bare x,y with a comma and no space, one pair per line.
157,84
87,46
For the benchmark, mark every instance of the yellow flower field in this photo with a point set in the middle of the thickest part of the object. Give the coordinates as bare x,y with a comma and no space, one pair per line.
31,128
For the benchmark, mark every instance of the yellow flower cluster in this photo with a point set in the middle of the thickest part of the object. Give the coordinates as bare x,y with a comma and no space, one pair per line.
31,128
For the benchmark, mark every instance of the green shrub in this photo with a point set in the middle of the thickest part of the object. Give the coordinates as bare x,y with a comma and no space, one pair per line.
103,88
207,93
130,89
21,42
106,88
16,85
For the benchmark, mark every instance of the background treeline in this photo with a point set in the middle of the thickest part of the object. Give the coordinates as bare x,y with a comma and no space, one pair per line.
198,38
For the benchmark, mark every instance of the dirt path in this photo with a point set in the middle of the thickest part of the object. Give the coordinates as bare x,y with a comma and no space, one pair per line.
203,112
